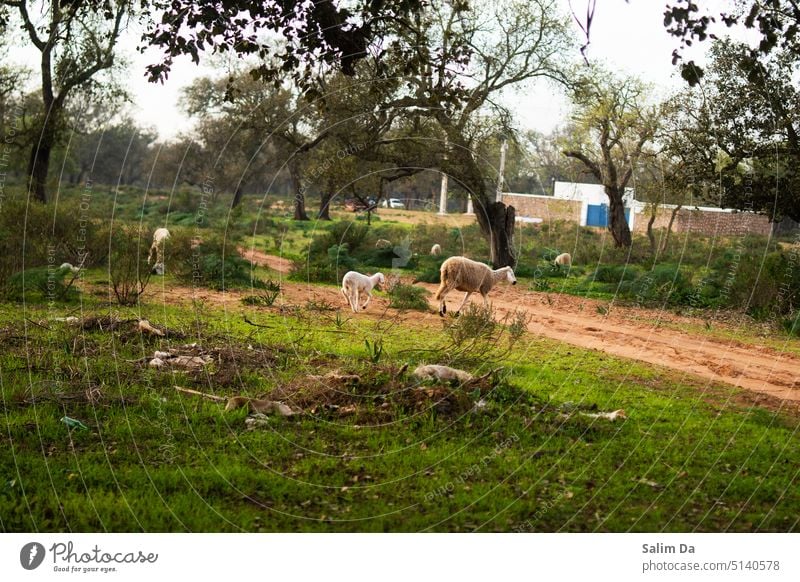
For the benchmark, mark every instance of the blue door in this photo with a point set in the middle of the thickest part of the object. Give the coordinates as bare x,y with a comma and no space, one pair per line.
597,215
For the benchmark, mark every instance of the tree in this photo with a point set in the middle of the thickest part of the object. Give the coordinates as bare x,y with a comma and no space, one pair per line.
775,22
432,61
613,125
244,119
76,41
737,134
285,36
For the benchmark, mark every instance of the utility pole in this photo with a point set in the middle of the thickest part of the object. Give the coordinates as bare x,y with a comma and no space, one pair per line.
443,191
503,148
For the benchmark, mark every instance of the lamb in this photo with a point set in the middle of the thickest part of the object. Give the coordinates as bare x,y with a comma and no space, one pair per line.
463,274
70,267
563,259
157,248
382,243
436,250
354,284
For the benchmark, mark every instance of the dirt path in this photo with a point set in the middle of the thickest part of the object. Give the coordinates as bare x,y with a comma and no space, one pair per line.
624,331
627,333
262,259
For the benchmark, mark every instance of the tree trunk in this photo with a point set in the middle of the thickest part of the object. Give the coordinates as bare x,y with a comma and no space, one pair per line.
669,227
299,196
617,224
650,234
237,197
325,198
39,166
497,224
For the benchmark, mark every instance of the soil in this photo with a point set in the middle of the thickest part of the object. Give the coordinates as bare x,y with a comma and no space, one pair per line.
627,332
262,259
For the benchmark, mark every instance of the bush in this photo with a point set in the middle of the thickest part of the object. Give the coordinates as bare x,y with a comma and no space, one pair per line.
216,264
128,267
614,273
69,235
663,284
41,284
409,297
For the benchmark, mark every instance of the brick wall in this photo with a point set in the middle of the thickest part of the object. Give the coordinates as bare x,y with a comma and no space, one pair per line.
707,222
547,208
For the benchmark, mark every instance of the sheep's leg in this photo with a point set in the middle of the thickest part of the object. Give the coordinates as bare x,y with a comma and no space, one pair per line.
150,256
346,297
440,295
369,296
354,300
466,296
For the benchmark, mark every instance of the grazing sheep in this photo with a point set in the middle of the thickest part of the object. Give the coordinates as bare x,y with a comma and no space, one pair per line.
70,267
463,274
157,248
436,250
382,243
564,259
354,284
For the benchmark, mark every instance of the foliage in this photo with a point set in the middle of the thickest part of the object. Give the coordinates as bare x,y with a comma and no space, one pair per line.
403,296
374,350
215,263
271,292
49,284
613,123
127,263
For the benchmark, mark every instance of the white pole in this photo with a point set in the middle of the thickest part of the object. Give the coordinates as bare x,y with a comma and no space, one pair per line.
469,205
443,195
503,148
443,191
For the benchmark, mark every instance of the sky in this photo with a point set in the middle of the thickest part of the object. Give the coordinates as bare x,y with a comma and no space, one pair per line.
627,36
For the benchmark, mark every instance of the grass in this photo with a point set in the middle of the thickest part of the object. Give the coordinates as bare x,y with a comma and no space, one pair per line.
689,457
512,454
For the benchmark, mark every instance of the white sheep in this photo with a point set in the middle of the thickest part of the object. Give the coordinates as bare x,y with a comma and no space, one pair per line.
463,274
70,267
354,284
382,243
563,259
157,248
436,250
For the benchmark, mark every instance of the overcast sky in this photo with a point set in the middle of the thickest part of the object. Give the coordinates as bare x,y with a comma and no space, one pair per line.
626,36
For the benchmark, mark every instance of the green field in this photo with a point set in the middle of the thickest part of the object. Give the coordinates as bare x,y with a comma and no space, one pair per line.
516,450
398,459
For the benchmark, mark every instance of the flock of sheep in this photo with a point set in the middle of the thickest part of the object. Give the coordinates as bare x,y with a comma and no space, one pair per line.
456,274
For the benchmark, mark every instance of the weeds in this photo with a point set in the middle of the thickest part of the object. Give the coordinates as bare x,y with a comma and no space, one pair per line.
374,350
266,299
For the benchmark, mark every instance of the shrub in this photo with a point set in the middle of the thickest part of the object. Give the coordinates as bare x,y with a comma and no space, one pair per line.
41,283
409,297
127,265
663,284
614,273
213,263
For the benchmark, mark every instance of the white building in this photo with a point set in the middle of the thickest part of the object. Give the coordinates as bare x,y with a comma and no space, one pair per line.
594,202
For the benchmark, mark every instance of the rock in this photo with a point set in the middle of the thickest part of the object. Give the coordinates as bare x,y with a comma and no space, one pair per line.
441,373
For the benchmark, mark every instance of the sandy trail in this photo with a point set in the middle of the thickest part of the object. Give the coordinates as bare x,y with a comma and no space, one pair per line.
625,331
